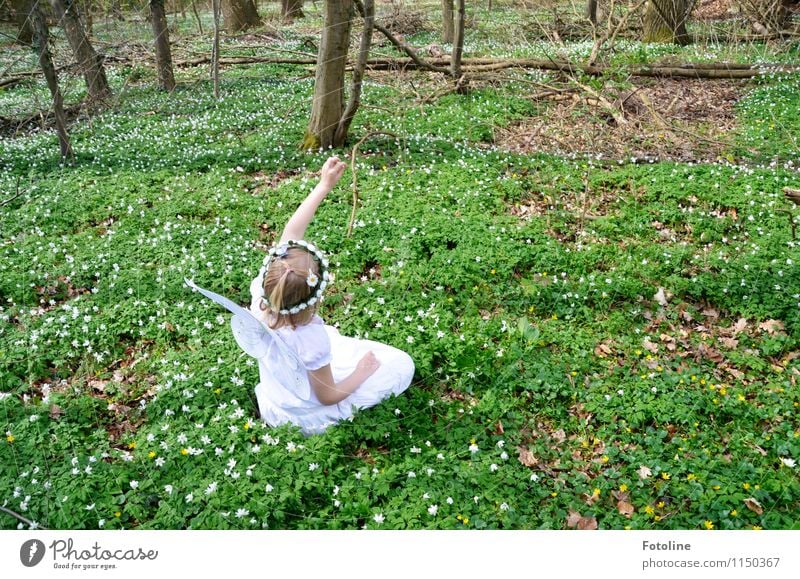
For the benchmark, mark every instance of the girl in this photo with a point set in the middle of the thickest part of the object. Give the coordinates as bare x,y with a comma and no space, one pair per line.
344,373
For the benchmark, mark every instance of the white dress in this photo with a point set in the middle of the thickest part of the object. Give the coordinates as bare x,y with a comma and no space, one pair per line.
318,344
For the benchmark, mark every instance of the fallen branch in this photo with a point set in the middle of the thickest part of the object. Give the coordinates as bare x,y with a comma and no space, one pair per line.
402,46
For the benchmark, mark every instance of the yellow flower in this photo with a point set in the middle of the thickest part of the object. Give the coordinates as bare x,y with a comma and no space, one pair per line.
746,486
757,528
604,459
247,425
657,518
131,445
184,451
740,397
665,475
661,504
708,525
151,454
691,476
734,513
10,438
554,495
649,510
716,487
623,488
596,492
117,514
217,390
573,373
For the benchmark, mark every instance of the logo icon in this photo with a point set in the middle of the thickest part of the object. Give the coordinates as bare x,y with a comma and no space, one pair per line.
31,553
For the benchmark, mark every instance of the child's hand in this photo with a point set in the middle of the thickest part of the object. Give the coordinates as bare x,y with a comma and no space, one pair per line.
331,172
367,365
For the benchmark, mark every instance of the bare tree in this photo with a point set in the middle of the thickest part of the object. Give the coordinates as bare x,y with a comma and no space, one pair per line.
20,9
665,21
447,21
215,49
239,15
41,41
591,11
158,19
458,47
343,127
291,9
328,103
90,62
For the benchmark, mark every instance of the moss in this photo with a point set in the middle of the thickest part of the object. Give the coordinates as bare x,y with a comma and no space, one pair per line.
311,141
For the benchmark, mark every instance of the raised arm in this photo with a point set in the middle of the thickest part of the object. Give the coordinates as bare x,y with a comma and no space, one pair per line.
296,226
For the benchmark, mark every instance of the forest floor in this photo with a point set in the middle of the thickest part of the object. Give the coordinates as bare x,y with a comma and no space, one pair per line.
598,287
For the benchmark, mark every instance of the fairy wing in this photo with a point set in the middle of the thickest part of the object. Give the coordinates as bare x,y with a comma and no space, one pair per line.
257,340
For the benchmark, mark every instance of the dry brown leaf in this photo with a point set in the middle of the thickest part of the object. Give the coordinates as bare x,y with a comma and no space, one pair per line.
499,428
573,518
730,343
735,373
55,411
99,385
625,509
772,327
710,313
587,524
559,435
602,350
526,457
644,472
754,506
710,353
661,297
650,346
740,326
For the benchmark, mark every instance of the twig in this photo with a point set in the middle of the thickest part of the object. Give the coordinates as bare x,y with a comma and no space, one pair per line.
355,179
23,519
620,120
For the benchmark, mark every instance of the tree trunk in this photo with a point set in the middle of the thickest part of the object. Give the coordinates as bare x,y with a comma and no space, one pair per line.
591,11
291,9
239,15
215,49
41,40
328,103
665,21
458,46
358,74
197,16
447,21
90,62
86,14
21,9
158,19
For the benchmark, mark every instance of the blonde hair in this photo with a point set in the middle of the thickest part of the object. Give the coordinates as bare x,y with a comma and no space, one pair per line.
285,285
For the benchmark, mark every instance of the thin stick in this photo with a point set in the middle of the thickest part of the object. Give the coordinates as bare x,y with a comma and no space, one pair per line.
23,519
355,178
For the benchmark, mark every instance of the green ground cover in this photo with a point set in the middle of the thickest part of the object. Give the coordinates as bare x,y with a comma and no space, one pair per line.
591,336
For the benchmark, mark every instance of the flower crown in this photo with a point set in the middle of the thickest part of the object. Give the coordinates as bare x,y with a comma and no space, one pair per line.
317,282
